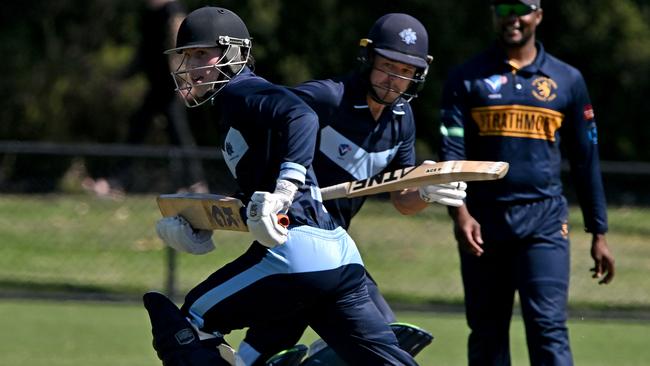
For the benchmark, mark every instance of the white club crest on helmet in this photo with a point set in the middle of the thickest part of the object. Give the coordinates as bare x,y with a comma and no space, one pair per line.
408,36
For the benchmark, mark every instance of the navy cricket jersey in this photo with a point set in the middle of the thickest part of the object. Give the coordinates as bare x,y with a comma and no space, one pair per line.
491,110
272,135
352,145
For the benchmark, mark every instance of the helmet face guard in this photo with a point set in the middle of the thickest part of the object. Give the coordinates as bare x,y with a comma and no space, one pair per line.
401,38
210,27
415,84
235,56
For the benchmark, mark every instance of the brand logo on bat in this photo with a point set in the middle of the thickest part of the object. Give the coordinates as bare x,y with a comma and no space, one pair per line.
224,217
432,170
384,178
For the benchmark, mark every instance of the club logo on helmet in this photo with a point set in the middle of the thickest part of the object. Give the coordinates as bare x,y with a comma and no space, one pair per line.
408,36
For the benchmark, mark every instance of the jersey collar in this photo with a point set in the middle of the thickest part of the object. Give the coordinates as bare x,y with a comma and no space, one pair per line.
539,65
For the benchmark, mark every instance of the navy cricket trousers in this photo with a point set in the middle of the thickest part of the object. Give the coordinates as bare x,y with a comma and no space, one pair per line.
526,251
317,273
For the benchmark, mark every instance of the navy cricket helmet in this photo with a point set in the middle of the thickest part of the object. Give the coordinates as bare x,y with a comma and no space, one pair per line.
402,38
210,27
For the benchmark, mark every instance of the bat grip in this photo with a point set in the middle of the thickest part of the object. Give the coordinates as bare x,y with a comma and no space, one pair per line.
335,191
283,220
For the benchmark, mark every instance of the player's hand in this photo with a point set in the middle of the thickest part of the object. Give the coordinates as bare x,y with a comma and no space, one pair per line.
604,268
177,233
262,212
467,231
449,194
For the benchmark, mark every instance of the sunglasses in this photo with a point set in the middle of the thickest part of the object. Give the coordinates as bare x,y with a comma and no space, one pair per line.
503,10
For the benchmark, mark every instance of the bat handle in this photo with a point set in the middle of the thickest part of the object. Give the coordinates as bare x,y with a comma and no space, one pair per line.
283,220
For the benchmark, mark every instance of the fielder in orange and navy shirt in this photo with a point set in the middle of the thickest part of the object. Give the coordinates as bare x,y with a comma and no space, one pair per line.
516,103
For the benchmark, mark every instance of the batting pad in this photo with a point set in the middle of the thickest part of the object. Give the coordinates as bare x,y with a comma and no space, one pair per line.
411,338
321,354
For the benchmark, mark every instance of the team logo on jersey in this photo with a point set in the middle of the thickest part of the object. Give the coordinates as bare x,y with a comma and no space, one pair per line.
544,89
494,84
234,148
588,112
229,149
592,133
344,149
518,121
408,36
352,158
564,231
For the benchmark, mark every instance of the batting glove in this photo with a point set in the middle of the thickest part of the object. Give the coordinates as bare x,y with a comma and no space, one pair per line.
262,212
177,233
448,194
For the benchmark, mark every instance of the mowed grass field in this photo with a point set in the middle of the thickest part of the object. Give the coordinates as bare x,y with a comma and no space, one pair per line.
82,244
45,333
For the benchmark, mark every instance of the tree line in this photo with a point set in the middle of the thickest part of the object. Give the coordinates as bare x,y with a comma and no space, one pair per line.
63,60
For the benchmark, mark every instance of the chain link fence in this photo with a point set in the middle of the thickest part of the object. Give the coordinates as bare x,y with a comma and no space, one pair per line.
66,230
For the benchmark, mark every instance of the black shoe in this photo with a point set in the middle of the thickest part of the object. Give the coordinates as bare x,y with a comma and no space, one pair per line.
411,338
289,357
174,339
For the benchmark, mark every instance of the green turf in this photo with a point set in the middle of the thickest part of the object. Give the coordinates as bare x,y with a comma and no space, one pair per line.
83,243
79,243
36,333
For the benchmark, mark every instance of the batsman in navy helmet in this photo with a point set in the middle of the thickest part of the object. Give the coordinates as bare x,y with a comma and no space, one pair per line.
210,27
403,39
367,127
312,266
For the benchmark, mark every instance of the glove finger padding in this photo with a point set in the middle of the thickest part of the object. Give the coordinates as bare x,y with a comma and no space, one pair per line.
449,194
177,233
262,219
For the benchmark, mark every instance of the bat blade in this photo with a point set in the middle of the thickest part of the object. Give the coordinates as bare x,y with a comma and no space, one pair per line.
437,173
217,212
205,211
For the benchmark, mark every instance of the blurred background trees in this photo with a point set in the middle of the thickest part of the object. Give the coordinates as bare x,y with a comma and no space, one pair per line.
63,60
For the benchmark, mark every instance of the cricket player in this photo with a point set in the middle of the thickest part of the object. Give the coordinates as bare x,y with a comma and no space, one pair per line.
514,102
366,128
312,266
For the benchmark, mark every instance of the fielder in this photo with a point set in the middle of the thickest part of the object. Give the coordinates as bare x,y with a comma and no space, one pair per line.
366,128
312,267
515,102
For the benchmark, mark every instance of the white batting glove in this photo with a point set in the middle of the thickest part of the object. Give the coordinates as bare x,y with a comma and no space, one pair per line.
177,233
448,194
262,212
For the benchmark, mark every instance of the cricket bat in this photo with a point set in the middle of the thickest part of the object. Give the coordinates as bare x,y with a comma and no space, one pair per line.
218,212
